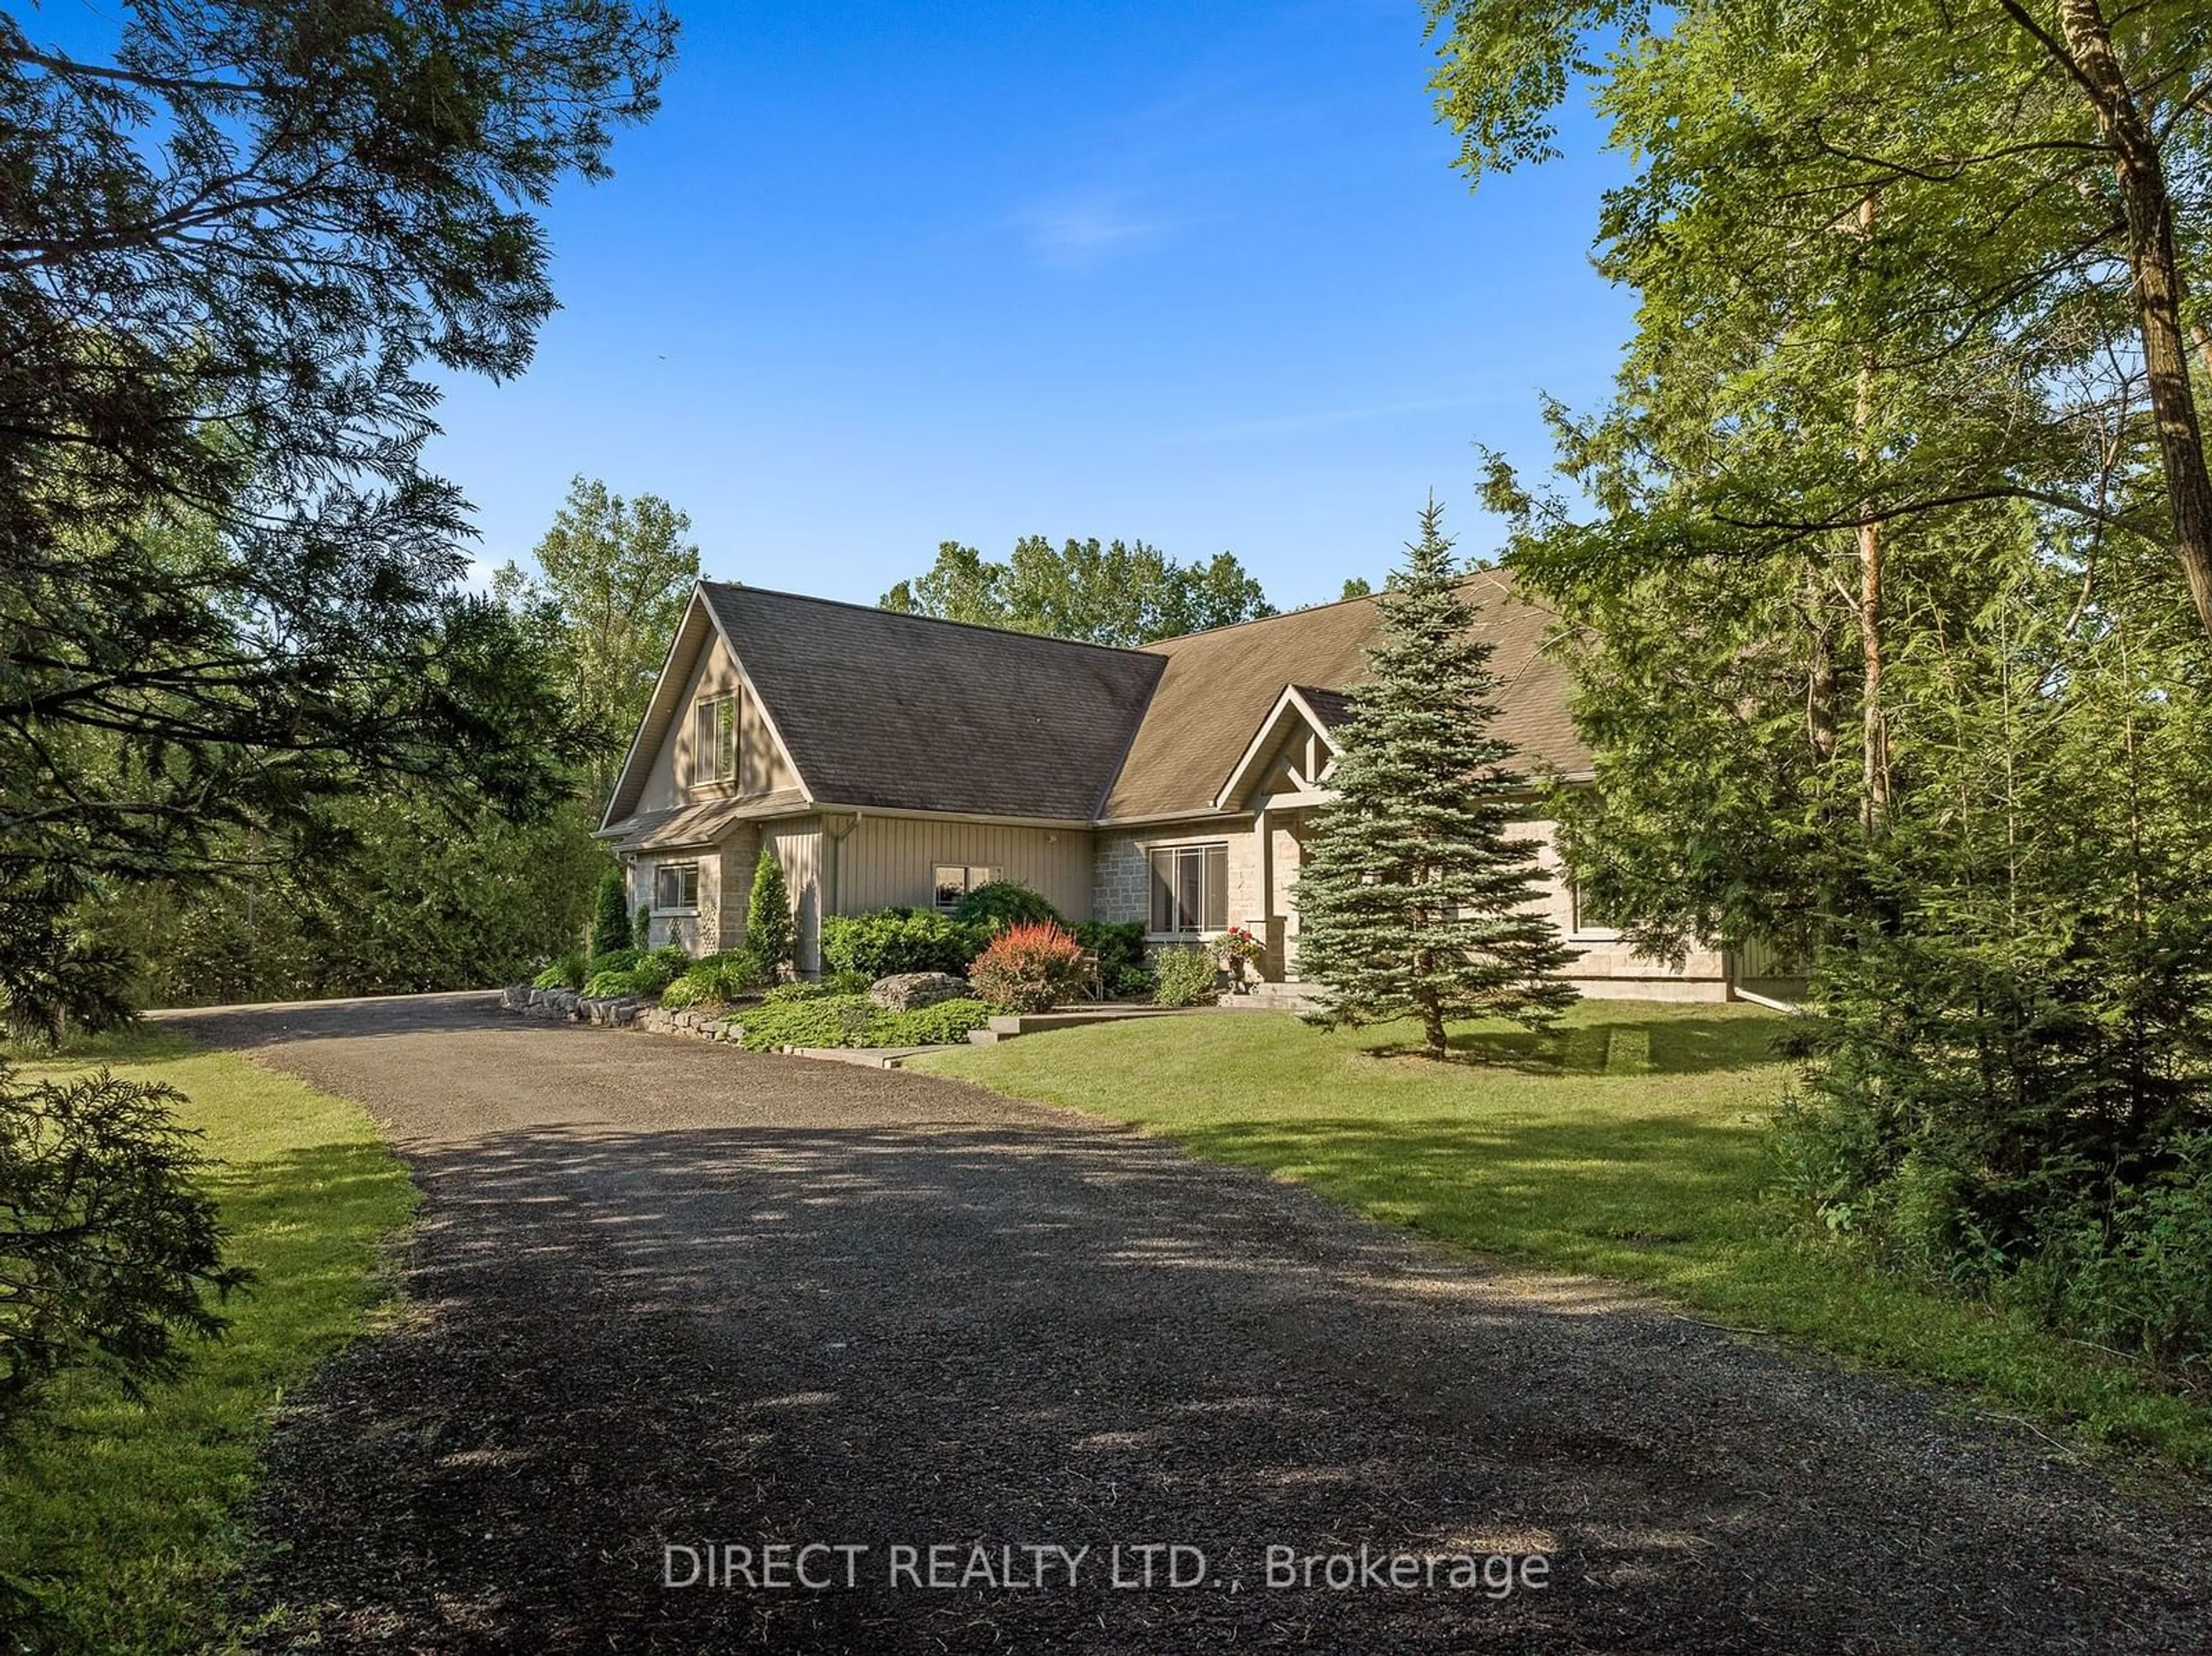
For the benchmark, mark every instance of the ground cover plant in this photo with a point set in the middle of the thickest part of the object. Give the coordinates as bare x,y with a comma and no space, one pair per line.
854,1020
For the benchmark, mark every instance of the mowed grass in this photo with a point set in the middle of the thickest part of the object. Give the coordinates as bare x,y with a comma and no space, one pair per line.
124,1518
1631,1145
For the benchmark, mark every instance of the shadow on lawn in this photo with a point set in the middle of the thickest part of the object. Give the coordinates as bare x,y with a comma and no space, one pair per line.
1633,1047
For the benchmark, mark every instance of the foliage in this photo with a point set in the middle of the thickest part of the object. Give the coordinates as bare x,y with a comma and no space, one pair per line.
1237,948
892,940
1970,237
121,1516
1890,632
854,1020
770,932
233,595
717,980
1001,903
1415,897
641,927
1628,1143
109,1244
1031,967
1118,595
1120,947
625,971
611,924
1185,977
613,578
2135,1272
403,899
569,972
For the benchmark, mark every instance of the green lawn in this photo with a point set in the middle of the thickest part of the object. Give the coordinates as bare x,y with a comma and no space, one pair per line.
124,1517
1630,1145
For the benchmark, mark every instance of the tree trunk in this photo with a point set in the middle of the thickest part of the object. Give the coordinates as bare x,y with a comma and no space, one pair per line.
1876,727
2156,267
1432,1025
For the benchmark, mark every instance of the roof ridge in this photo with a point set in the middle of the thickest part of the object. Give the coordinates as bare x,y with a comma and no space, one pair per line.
1309,608
934,620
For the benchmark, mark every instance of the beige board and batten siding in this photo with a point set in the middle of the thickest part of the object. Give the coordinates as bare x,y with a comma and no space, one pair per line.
797,843
886,860
761,765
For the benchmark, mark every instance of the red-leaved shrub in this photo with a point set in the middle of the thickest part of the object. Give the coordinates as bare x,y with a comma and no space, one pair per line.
1028,968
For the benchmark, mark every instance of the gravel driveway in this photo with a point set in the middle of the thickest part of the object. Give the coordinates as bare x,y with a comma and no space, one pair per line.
670,1296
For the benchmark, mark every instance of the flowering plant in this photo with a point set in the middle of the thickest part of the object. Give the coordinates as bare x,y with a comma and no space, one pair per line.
1236,945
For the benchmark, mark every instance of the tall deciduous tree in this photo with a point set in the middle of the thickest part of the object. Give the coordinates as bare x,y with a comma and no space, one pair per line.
230,589
1415,896
613,578
1888,629
2017,189
1120,594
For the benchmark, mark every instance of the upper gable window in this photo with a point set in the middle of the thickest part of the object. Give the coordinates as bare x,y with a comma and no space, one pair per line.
714,742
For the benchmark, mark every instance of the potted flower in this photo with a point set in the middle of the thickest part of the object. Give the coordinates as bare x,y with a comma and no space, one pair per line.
1236,949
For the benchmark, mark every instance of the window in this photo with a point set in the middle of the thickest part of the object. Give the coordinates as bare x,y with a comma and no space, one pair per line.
675,885
954,881
1190,888
714,748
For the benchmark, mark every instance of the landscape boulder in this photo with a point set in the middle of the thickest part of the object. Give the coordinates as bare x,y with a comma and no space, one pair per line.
908,991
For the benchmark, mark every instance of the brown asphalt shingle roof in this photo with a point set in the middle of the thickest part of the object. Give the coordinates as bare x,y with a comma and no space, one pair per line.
904,712
1219,685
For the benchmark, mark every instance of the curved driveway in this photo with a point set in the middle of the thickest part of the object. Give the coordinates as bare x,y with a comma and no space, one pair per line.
665,1295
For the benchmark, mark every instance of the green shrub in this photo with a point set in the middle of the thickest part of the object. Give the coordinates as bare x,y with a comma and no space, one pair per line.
617,960
1183,977
1029,967
567,972
611,915
993,907
844,1020
2137,1277
606,986
893,940
656,971
1120,946
769,932
640,928
717,980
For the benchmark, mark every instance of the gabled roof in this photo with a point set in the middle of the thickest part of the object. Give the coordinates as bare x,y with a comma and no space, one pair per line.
906,712
894,712
1294,707
1219,686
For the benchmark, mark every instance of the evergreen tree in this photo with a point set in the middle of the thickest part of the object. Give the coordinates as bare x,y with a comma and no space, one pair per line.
611,916
1415,898
769,930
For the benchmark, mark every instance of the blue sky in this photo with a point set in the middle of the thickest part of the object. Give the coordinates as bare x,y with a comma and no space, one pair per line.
881,274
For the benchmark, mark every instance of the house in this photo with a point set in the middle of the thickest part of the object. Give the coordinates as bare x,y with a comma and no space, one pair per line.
893,759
